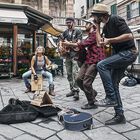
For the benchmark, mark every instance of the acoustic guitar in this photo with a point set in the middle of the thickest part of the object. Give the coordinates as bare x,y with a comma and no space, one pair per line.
66,51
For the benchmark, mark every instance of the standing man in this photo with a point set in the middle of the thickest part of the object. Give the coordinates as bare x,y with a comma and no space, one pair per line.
119,36
88,70
71,35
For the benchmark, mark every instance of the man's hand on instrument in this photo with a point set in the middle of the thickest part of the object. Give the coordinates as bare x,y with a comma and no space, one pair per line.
104,42
48,67
66,43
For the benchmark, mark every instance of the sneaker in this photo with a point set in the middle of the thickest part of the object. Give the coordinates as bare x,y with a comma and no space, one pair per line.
70,94
106,103
117,119
89,106
27,90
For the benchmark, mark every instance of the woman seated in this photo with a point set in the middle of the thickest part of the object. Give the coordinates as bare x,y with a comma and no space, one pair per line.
38,66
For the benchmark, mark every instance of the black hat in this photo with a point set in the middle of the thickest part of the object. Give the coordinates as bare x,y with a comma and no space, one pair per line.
69,19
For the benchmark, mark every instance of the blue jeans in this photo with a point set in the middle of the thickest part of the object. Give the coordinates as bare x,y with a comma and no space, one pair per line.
46,74
111,71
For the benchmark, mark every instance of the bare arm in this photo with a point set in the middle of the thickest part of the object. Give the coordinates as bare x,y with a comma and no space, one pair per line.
121,38
32,65
98,35
70,44
48,62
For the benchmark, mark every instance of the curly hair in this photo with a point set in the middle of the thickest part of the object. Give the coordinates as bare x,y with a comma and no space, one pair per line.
43,49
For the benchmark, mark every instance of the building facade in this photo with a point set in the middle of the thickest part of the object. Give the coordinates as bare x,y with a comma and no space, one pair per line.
54,8
130,11
58,9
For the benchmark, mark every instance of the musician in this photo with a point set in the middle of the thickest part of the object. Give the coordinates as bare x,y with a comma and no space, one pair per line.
72,35
88,71
38,66
111,69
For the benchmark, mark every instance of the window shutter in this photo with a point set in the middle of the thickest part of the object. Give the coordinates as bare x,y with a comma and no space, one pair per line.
128,12
97,1
87,4
114,9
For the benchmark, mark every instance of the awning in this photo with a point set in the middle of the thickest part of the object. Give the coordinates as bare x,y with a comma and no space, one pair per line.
49,28
13,16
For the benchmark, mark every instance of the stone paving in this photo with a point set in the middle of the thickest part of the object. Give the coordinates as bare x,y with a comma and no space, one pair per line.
51,129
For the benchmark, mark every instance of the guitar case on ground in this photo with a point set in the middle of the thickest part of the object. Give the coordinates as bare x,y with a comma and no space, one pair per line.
17,112
74,120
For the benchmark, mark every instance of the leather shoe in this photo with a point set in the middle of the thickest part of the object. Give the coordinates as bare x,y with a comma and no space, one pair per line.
106,103
70,94
117,119
76,96
27,90
89,106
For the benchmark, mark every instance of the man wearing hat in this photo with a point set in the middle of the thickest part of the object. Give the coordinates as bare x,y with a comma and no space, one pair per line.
88,70
71,35
116,33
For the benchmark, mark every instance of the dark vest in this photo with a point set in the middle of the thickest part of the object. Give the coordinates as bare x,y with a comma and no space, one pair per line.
35,64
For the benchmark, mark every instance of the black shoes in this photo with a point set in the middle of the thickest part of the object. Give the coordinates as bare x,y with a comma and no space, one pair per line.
76,96
89,106
70,94
117,119
106,103
27,90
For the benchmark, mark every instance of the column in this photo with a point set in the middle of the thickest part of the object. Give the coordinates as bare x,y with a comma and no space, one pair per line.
45,6
69,8
18,1
34,41
15,39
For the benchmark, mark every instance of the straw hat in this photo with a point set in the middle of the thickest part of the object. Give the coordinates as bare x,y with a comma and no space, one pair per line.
100,8
90,20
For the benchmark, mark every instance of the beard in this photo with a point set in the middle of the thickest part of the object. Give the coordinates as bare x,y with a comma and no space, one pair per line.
70,26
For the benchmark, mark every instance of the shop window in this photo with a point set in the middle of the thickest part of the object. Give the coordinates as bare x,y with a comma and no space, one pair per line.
133,10
114,9
24,54
5,56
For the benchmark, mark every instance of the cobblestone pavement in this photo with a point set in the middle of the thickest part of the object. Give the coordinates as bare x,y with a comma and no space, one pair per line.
50,129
